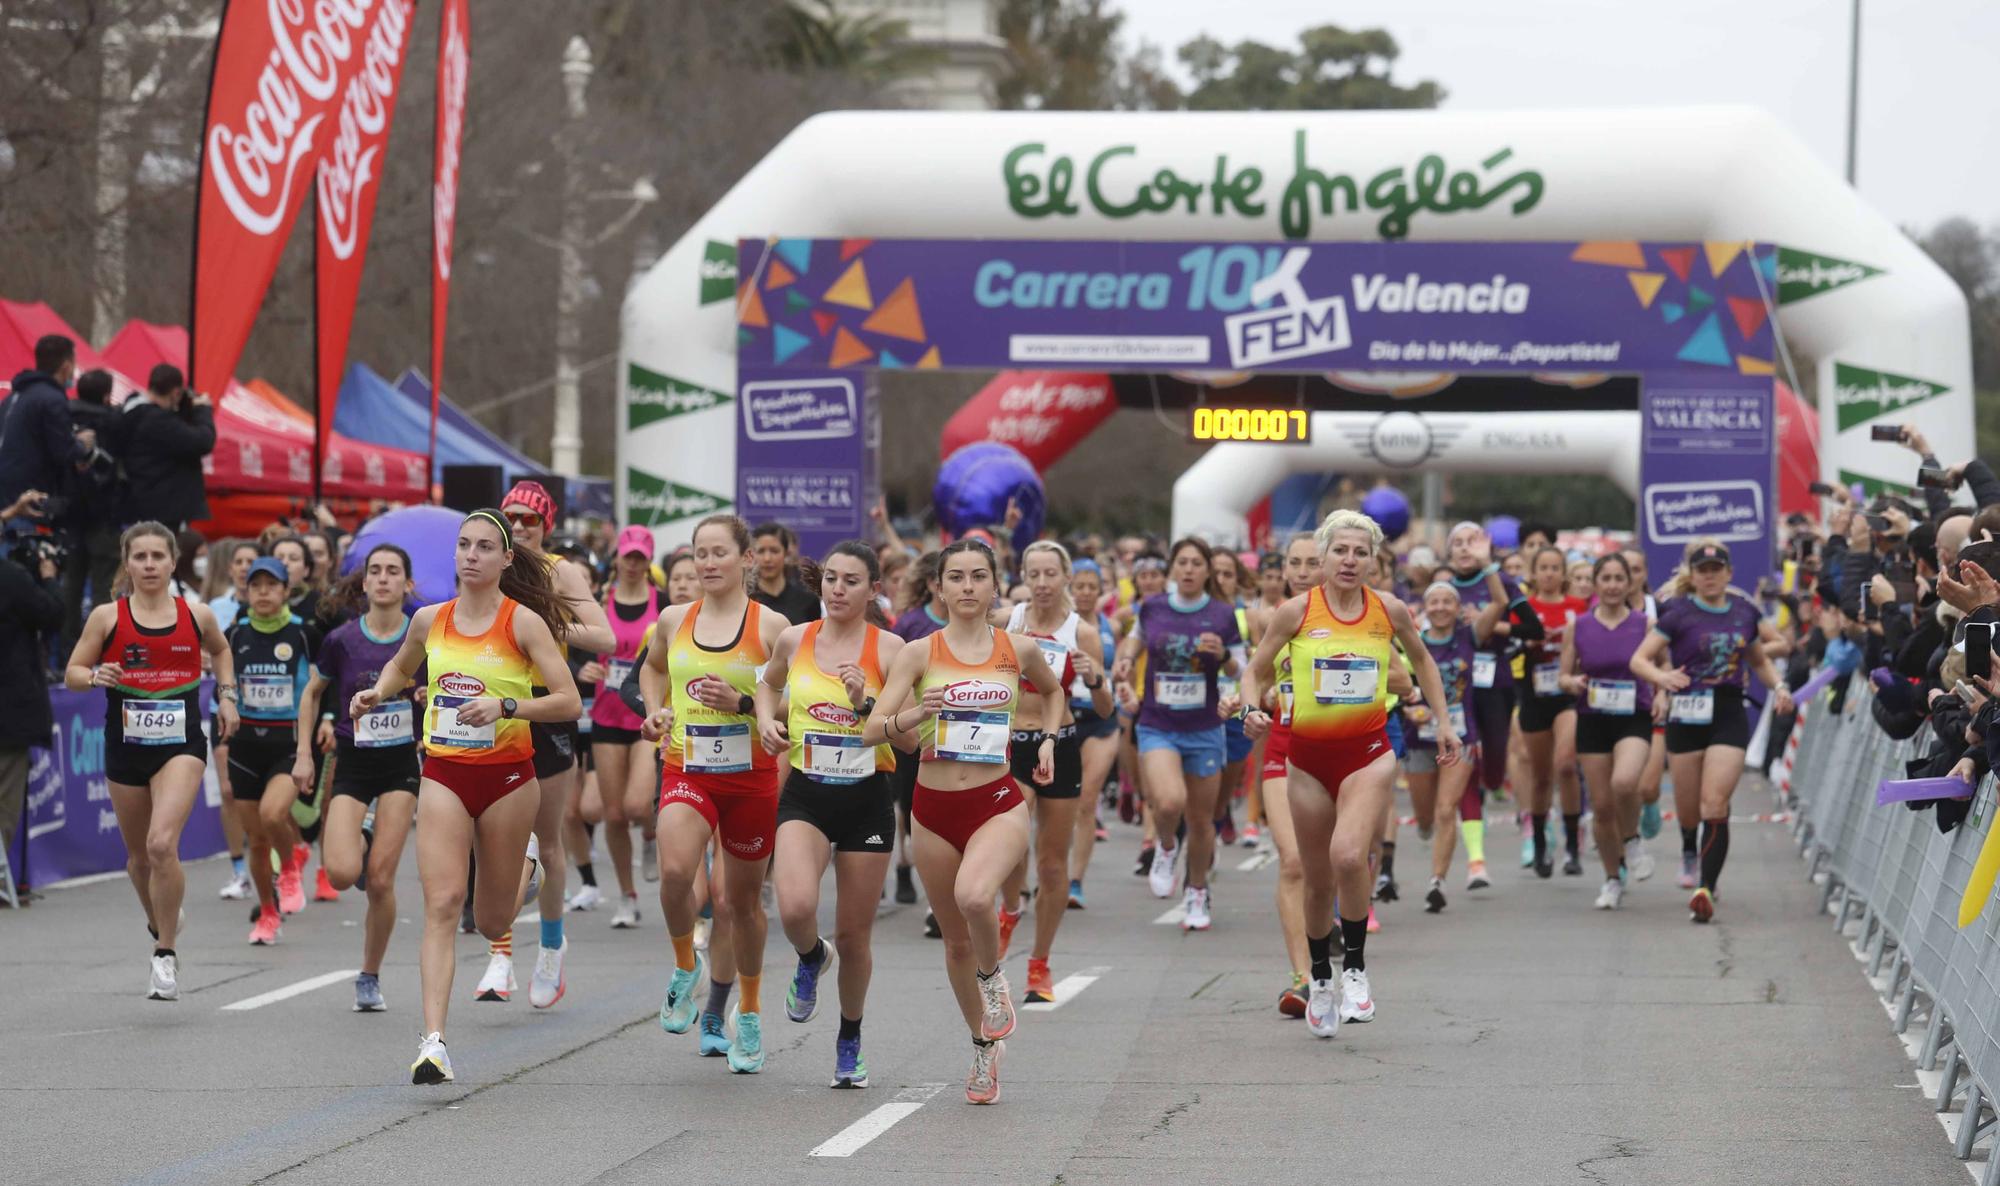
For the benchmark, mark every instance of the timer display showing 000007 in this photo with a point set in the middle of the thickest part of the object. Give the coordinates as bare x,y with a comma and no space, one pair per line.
1285,426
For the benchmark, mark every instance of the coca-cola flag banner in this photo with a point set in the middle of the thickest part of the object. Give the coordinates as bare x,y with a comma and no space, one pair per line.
454,62
349,180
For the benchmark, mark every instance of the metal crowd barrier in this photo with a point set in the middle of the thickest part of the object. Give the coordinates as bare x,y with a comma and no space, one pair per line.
1893,884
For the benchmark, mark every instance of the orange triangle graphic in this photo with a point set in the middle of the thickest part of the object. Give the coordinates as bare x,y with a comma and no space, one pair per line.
824,320
1720,255
898,317
751,310
848,350
1678,260
929,362
1754,366
851,289
1646,285
849,248
1622,254
778,275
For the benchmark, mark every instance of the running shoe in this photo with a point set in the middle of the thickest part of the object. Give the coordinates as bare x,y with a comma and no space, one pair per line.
1041,987
498,983
677,1010
1475,877
547,985
849,1070
166,985
1225,830
627,915
433,1065
1356,1005
466,925
236,888
323,890
996,1020
703,928
1374,924
291,890
802,998
1252,836
368,993
1144,865
367,848
1128,803
1323,1009
1385,888
1194,910
1424,832
746,1053
1009,919
931,930
649,863
1102,834
1292,1001
1160,873
1638,862
1572,865
1075,894
1434,900
586,897
1690,870
1649,820
1546,867
533,889
767,897
1527,846
264,933
1612,895
1701,907
982,1086
906,886
714,1036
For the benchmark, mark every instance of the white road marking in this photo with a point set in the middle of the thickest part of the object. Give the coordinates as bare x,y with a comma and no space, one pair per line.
1174,917
850,1140
1257,860
1066,990
289,991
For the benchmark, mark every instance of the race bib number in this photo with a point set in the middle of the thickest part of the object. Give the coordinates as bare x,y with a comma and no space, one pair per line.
1055,652
1285,703
1483,668
1548,679
838,757
616,673
447,729
1345,680
1693,708
1428,731
717,749
967,736
156,722
268,693
1614,697
1180,690
384,725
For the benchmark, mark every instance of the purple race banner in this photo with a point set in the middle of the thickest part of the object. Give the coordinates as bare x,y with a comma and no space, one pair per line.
805,449
70,829
1707,471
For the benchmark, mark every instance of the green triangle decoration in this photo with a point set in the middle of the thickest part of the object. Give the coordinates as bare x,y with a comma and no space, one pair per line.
1862,394
651,397
1802,274
796,301
651,500
1698,298
1870,487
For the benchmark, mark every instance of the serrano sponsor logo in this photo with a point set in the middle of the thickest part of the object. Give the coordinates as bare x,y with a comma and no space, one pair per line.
1319,634
457,683
976,693
839,716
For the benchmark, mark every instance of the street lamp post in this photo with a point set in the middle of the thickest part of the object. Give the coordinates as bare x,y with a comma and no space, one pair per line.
566,443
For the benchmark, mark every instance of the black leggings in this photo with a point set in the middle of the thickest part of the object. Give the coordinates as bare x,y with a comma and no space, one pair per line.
1493,715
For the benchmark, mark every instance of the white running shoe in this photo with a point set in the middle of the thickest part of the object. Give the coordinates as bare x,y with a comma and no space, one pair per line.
498,983
236,888
534,857
997,1017
166,984
1356,1004
1194,908
1323,1009
1612,895
649,862
703,927
627,916
586,897
1160,876
1638,862
433,1065
546,986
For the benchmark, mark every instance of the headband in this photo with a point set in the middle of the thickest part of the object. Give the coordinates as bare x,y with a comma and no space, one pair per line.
1149,564
493,517
1085,564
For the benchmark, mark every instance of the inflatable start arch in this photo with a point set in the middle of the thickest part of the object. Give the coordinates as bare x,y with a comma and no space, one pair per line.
1704,250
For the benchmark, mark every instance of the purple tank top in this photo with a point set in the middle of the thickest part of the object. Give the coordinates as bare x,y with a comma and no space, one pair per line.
349,661
916,624
1473,595
1453,657
1604,654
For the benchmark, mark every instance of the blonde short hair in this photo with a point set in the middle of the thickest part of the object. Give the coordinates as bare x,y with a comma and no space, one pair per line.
1346,520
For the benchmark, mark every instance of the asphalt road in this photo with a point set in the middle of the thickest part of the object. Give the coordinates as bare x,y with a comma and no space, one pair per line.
1522,1037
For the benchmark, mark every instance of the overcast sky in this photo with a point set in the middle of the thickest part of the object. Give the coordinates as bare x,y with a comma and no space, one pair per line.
1930,105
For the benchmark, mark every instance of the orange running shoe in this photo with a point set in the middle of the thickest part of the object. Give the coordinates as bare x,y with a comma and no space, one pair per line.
1009,919
1041,987
323,890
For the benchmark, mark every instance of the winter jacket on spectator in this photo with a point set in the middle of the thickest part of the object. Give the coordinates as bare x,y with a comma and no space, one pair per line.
37,451
161,449
27,610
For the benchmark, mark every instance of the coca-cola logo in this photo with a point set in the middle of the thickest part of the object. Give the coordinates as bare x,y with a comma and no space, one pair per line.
457,683
452,70
977,693
833,714
364,118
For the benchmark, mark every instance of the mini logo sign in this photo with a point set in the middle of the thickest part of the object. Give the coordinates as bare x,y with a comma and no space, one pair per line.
976,693
1677,512
1401,439
800,410
457,683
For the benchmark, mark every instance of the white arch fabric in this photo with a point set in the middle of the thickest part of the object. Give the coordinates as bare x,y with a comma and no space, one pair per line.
1884,329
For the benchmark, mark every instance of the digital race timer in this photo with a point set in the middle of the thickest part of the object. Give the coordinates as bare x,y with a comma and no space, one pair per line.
1283,426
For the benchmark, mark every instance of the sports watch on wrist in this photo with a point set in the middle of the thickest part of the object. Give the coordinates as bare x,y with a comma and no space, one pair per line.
507,706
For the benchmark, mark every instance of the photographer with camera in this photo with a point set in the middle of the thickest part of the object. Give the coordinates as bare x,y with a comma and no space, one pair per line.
162,438
89,517
37,449
28,610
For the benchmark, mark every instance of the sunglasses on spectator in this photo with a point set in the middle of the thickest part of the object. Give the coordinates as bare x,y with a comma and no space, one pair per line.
523,518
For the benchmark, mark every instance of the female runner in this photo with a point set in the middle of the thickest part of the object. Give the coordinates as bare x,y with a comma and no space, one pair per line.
625,775
1641,600
924,616
1614,723
154,750
1072,647
1469,550
1231,586
1447,795
955,696
1098,731
1548,715
717,781
481,651
1711,638
375,760
1186,636
836,806
1340,640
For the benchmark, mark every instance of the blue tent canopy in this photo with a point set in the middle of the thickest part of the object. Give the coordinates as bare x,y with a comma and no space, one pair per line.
580,496
371,410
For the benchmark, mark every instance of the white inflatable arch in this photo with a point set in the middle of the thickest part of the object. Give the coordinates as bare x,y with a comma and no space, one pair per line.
1868,322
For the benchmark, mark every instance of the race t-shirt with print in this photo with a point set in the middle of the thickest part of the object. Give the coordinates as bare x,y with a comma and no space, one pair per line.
1180,693
1709,643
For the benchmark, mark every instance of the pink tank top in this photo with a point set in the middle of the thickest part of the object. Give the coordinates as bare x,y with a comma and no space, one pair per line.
609,708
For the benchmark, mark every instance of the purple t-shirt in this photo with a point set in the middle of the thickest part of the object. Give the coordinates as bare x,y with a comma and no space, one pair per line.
350,660
1473,595
916,624
1180,694
1710,644
1453,657
1605,653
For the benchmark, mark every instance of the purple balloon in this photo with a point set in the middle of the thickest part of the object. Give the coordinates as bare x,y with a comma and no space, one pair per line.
429,534
1389,508
975,483
1505,531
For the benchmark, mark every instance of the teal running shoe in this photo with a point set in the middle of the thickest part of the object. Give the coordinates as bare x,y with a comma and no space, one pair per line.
714,1037
802,998
1649,820
746,1053
849,1070
677,1010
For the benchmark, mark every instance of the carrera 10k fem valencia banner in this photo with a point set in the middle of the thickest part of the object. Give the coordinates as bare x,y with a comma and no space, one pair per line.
454,67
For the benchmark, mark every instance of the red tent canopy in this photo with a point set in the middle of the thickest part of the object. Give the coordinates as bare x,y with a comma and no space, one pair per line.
21,323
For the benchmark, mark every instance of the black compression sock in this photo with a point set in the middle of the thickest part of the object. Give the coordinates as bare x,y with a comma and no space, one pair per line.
1322,954
1571,824
1353,935
718,998
1688,844
1389,859
850,1028
160,951
816,956
1714,851
1540,820
586,872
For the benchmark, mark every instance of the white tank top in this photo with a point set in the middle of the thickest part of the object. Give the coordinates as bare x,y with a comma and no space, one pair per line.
1056,650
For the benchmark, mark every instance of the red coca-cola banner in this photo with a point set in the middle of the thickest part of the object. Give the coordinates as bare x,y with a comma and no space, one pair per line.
454,63
280,67
349,180
1042,413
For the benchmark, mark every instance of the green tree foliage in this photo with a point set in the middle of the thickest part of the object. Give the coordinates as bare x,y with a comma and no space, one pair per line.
1068,57
818,35
1331,69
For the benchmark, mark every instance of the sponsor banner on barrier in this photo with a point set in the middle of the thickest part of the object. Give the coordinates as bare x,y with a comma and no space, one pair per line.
1710,446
